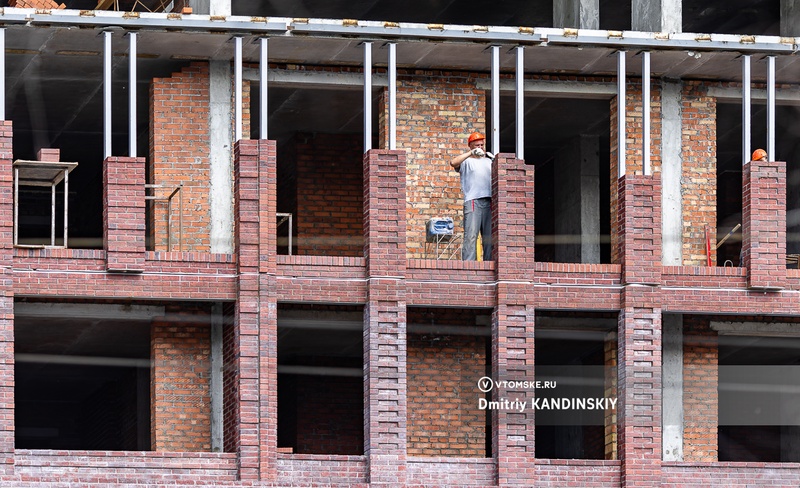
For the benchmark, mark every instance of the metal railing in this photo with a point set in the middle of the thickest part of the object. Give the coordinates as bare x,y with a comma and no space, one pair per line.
168,199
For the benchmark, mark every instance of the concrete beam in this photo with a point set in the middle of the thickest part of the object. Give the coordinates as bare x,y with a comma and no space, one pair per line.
576,14
759,329
557,89
88,311
784,96
656,16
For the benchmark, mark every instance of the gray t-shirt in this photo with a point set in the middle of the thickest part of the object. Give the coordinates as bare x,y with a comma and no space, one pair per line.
476,178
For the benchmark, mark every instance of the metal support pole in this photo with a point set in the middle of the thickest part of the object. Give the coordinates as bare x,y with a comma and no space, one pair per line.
16,206
53,214
66,207
495,99
107,95
2,74
392,96
621,133
771,108
237,67
132,95
367,96
520,102
646,112
745,108
263,71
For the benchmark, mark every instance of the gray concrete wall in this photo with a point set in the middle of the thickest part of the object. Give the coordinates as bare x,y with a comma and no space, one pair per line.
790,18
672,378
657,16
211,7
577,201
576,14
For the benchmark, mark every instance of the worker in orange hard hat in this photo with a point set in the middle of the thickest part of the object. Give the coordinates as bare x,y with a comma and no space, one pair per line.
759,155
475,167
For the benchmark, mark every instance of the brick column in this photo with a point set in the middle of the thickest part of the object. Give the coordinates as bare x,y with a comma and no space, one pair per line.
639,219
639,387
764,224
385,317
246,314
513,439
268,311
6,301
124,214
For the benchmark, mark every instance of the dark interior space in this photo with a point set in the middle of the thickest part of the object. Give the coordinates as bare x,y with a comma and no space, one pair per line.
729,171
320,380
758,383
82,383
751,17
570,349
556,145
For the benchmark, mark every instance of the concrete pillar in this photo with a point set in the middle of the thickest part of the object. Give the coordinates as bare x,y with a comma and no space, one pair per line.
220,190
210,7
790,18
672,377
656,16
385,318
577,180
215,383
671,198
576,14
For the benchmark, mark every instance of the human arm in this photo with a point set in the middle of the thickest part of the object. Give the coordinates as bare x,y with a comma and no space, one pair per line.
458,160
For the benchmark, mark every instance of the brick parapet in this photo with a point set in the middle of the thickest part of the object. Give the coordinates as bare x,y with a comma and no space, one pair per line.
513,432
639,224
764,224
512,216
124,214
639,387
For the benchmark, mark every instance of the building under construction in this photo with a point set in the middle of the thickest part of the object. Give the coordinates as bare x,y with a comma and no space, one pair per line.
228,261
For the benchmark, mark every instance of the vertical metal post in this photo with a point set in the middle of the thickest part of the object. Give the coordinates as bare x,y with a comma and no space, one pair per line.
520,102
621,100
646,112
745,108
237,67
66,206
132,95
107,95
16,206
495,99
392,96
53,214
263,72
2,74
367,96
771,108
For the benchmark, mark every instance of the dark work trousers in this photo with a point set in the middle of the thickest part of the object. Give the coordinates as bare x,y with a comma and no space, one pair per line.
477,218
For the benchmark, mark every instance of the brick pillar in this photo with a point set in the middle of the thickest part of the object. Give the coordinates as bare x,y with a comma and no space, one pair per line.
246,314
513,438
385,317
639,219
268,312
180,409
639,387
764,224
124,214
610,350
6,302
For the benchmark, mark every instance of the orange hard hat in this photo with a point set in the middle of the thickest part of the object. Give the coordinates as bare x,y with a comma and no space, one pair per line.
475,136
759,154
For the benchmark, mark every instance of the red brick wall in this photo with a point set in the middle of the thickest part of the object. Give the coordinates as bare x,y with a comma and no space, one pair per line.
700,383
179,153
436,113
699,172
443,414
330,194
180,399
